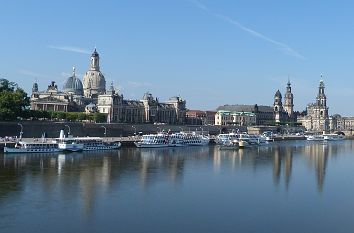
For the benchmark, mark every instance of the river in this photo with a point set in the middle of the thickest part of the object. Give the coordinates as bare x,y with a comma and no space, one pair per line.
294,186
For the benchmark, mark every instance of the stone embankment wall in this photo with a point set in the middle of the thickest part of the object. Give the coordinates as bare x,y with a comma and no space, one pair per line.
51,129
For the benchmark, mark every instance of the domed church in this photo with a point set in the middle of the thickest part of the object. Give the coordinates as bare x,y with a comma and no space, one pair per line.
94,83
73,85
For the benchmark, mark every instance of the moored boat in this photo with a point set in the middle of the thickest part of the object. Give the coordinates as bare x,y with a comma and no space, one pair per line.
97,143
318,137
333,137
153,141
33,147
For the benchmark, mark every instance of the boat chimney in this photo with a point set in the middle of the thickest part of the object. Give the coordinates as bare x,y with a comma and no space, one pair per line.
61,135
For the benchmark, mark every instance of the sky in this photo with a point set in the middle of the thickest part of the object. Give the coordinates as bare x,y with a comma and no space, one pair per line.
209,52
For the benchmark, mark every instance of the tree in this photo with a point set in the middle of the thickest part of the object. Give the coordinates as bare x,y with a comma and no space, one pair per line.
6,85
13,100
99,117
72,116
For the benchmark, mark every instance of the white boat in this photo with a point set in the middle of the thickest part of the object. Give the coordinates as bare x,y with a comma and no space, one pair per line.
32,147
153,141
188,139
225,137
229,145
257,139
172,140
68,143
333,137
96,143
317,137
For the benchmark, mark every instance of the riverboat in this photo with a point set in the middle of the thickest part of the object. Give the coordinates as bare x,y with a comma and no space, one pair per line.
225,137
96,143
33,147
154,141
229,145
333,137
188,139
318,137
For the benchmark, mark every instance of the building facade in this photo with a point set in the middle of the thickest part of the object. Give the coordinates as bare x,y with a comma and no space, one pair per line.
223,117
341,123
91,96
146,110
52,99
316,118
199,117
264,114
75,95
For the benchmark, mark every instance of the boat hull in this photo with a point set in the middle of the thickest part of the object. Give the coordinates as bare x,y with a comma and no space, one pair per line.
103,147
27,150
145,145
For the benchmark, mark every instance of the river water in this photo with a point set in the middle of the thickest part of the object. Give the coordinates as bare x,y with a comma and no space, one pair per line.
295,186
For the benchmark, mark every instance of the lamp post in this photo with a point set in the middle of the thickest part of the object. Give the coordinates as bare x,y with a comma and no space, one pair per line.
69,132
202,130
134,130
21,130
105,130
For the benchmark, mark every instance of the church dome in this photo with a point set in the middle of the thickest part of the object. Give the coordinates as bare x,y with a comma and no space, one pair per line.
73,85
95,80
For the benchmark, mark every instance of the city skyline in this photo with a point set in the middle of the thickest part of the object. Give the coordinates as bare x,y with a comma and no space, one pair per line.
209,53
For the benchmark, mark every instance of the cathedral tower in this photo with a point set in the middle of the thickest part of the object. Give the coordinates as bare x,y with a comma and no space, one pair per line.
289,100
277,106
321,99
94,82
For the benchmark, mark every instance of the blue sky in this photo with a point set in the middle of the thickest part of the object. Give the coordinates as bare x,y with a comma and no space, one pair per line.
209,52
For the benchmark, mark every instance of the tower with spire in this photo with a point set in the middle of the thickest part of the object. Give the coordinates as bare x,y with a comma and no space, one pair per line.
94,82
289,100
317,118
277,107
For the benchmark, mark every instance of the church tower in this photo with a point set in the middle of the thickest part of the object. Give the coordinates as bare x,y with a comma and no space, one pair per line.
94,83
95,61
321,99
277,106
289,100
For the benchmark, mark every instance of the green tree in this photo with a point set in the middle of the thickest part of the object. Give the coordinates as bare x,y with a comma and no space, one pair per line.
13,100
100,117
82,116
61,115
72,116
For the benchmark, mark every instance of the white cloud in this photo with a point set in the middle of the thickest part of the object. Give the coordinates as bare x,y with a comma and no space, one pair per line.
70,49
286,49
33,74
139,84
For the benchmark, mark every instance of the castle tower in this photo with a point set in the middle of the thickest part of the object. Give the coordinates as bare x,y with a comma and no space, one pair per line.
289,100
94,82
277,106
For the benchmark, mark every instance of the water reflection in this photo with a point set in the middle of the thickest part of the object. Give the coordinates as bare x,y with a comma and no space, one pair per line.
86,176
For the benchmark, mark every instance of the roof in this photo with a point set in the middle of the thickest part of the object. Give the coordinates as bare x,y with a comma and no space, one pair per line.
73,85
245,108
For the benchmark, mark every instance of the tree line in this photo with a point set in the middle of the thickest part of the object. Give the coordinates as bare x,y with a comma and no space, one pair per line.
15,105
